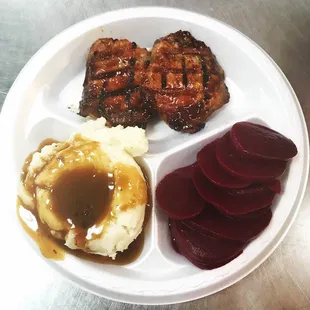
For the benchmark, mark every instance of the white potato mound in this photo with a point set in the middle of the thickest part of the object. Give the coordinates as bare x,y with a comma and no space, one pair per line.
120,145
39,159
132,140
118,235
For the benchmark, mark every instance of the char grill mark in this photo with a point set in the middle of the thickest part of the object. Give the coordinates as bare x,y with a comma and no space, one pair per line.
163,80
205,75
132,63
184,82
112,85
184,73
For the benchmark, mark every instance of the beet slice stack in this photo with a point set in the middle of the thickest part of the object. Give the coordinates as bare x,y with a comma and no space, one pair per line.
219,204
233,202
177,196
211,221
204,251
209,165
250,169
257,141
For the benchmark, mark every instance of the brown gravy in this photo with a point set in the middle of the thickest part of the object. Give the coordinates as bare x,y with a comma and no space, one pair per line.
82,196
67,193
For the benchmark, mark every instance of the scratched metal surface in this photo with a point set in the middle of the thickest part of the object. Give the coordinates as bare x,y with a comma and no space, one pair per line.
281,27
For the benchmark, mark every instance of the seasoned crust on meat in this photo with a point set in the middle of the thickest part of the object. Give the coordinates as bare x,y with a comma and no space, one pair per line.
184,82
112,87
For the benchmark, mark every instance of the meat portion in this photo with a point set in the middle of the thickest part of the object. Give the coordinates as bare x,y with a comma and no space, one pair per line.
112,86
184,82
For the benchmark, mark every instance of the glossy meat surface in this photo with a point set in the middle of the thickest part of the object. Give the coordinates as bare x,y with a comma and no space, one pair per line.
115,71
184,81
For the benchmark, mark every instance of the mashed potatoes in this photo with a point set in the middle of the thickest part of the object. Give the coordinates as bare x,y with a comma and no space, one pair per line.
108,151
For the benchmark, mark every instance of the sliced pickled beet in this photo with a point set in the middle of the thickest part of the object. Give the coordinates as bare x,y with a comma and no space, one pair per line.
173,243
244,229
177,196
251,169
202,250
210,167
257,141
274,185
234,202
254,214
212,265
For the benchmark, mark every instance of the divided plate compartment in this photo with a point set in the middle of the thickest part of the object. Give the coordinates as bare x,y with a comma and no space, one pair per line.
158,261
44,100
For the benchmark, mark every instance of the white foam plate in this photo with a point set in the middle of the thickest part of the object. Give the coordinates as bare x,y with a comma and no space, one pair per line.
37,108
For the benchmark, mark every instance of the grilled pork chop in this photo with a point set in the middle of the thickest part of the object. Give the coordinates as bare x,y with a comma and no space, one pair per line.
112,86
184,81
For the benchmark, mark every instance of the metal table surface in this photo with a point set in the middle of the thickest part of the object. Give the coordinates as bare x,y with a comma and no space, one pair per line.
281,27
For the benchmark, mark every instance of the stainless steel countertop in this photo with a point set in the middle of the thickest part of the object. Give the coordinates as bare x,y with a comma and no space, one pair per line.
281,27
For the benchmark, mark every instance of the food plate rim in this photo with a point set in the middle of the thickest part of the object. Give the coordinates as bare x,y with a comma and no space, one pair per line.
42,56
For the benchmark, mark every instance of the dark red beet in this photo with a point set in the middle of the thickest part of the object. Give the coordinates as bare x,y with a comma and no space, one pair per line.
212,221
177,196
234,202
274,185
214,265
254,214
173,243
257,141
209,165
251,169
202,250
